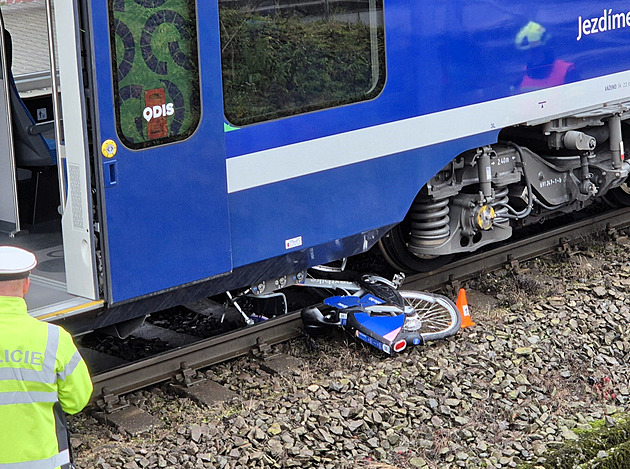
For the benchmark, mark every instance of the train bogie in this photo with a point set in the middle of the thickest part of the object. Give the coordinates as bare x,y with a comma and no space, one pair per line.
479,196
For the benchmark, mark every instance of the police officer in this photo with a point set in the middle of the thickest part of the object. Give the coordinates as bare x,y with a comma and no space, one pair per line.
41,375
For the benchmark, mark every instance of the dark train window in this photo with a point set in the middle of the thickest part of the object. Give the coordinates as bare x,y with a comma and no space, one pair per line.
156,70
286,57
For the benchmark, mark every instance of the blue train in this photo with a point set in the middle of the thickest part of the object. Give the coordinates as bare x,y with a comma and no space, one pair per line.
201,147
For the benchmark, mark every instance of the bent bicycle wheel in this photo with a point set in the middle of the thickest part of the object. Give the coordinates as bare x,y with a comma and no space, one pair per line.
438,317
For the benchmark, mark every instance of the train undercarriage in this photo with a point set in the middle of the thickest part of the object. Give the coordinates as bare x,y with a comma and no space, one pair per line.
533,173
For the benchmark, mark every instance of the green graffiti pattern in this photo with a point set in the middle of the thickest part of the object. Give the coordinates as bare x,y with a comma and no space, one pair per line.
154,45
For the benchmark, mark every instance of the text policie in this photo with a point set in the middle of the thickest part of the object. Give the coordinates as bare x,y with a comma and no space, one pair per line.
609,21
19,356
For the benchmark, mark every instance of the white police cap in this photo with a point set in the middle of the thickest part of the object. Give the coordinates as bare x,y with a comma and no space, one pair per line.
15,263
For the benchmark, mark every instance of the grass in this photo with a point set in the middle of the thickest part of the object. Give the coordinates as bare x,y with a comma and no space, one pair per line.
603,446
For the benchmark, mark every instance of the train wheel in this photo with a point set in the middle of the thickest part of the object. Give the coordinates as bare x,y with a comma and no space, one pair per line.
619,196
394,246
438,316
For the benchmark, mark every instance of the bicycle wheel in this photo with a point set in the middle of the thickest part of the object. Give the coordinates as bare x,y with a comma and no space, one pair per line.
438,317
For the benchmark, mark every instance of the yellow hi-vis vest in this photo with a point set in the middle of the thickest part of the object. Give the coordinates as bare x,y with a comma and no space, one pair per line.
41,375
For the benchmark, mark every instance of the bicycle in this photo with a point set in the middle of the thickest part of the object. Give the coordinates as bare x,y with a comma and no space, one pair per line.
373,310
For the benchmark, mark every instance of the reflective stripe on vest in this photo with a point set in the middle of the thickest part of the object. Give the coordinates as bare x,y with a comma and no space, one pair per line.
72,364
27,397
57,460
47,374
50,356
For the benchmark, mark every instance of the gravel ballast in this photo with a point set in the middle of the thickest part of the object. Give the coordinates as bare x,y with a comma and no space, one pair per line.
546,360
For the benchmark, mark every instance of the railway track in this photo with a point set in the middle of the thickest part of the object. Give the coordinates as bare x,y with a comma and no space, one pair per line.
182,361
519,251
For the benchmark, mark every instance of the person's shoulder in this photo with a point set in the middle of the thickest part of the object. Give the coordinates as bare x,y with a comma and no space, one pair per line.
62,332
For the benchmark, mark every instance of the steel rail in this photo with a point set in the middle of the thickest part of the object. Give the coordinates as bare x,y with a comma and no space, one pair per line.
211,351
198,355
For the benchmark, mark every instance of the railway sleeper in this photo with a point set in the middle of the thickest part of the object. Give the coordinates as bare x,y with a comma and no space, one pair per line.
117,411
131,419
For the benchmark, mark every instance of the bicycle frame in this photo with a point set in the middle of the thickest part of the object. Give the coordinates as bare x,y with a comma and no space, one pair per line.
376,313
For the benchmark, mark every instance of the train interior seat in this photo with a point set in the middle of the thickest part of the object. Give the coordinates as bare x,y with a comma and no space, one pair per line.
34,151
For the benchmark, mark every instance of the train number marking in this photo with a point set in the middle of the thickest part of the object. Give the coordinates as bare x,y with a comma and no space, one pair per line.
550,182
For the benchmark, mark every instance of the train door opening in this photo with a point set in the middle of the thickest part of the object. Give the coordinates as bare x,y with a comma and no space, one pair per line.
41,145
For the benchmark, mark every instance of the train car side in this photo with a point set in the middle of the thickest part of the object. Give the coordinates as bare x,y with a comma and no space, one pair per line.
455,77
326,178
225,144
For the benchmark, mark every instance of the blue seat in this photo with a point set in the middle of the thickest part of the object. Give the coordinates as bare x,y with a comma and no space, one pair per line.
32,150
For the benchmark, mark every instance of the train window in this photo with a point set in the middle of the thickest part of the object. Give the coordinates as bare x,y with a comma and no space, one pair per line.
281,57
156,70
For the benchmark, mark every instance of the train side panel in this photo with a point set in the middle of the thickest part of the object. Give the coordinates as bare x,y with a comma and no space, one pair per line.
300,183
455,75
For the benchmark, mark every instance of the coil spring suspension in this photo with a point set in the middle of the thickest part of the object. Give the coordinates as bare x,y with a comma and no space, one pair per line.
429,222
501,200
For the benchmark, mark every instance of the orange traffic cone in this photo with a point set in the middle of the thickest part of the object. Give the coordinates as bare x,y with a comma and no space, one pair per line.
464,311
